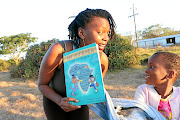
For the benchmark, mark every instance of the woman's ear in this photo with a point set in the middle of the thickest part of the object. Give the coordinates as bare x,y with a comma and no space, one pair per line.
81,33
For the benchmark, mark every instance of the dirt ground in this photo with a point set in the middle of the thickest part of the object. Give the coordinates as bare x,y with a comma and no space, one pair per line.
21,100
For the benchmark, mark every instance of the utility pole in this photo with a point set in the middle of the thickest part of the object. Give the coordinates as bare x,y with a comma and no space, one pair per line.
134,14
71,17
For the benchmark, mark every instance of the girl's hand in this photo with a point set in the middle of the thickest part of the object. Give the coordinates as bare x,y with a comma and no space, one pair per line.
66,106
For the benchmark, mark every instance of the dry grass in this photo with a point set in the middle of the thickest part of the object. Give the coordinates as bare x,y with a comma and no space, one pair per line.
20,100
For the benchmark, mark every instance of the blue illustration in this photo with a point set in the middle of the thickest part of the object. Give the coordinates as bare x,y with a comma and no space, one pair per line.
74,84
82,72
83,75
93,84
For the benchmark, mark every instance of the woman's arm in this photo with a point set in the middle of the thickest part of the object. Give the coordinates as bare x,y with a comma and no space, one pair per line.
104,63
52,59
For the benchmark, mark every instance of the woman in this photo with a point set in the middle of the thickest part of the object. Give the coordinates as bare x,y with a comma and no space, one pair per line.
89,26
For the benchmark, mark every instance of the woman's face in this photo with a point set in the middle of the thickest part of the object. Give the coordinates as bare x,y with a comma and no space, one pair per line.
97,31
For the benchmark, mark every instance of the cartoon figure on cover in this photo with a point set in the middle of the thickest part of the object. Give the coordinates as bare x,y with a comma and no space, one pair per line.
93,83
74,84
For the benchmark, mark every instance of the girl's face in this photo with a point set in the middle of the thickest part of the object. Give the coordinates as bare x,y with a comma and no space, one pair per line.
97,31
156,72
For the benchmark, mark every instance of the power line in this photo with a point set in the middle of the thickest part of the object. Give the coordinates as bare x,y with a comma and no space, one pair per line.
134,14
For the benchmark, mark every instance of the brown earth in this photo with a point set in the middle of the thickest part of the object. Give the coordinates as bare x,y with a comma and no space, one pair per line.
21,100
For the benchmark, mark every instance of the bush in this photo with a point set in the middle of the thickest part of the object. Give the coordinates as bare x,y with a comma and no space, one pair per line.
6,64
28,68
3,65
121,53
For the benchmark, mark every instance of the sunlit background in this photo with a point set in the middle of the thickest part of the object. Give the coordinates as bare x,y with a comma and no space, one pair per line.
47,19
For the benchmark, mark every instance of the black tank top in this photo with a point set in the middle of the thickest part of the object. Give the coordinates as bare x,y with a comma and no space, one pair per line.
58,81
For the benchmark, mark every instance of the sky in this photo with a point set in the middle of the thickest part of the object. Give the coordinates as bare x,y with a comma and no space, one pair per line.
48,19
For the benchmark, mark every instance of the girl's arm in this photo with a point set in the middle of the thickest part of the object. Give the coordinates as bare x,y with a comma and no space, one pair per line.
104,63
52,59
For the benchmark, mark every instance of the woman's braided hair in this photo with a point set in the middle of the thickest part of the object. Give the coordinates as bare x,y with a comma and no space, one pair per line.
171,61
85,17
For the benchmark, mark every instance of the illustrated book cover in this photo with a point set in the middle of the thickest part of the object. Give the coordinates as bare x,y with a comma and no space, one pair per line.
83,75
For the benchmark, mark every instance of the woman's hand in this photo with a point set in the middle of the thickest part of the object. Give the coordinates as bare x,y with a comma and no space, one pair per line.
66,106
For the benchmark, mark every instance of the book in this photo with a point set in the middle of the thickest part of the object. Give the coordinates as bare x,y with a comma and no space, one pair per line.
83,75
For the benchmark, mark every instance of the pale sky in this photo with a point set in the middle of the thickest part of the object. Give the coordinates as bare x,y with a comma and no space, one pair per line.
47,19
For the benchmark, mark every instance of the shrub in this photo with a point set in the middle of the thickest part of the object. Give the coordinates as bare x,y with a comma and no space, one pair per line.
3,65
28,68
6,64
121,53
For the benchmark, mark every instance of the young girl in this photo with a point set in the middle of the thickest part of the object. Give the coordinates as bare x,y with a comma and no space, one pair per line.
162,72
89,26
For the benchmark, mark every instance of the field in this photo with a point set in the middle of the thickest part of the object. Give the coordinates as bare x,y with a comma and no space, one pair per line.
21,100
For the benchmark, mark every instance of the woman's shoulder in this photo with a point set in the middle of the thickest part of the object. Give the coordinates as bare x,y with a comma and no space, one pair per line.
56,48
61,45
62,42
104,59
103,56
67,45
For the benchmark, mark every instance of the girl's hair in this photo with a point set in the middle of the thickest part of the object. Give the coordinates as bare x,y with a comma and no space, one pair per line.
171,61
85,17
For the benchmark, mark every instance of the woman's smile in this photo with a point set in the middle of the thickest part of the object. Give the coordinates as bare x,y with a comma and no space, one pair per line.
101,46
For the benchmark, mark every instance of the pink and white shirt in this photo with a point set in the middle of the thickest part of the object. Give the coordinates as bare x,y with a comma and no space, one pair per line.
164,107
147,94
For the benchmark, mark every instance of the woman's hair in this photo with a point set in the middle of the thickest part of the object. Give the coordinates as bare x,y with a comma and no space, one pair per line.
85,17
171,61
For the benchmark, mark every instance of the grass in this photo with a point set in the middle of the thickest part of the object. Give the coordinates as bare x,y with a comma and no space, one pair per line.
21,100
146,53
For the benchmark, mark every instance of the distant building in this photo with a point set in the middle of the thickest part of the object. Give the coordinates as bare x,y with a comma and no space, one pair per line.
159,41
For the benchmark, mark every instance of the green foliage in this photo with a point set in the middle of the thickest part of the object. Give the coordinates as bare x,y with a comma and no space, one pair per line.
29,67
15,44
144,54
6,64
156,31
121,53
3,65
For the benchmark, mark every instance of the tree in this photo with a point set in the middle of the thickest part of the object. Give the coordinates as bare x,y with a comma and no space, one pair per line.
156,31
28,67
16,44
